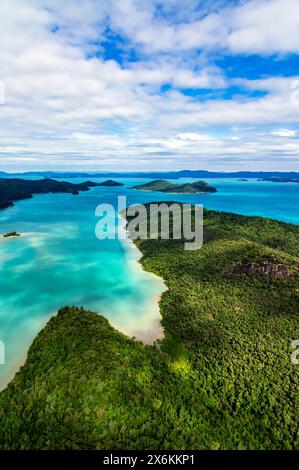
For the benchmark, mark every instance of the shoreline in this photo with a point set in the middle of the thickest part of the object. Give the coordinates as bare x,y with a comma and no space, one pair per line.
129,246
135,255
150,336
22,358
20,362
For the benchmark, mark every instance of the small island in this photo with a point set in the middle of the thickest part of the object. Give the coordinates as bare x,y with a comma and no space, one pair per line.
163,186
110,183
11,235
15,189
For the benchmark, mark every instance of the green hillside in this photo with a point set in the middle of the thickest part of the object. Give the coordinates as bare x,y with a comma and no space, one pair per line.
221,379
164,186
15,189
110,183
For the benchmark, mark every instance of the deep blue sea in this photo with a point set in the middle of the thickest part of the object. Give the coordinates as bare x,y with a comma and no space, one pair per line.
59,261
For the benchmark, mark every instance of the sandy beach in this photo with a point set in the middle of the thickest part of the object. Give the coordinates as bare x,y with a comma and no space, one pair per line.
135,255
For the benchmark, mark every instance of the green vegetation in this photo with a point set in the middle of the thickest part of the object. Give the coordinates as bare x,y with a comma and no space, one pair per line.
221,379
11,234
164,186
13,189
110,183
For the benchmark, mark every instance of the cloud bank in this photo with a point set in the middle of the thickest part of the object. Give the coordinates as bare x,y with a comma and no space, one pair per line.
101,84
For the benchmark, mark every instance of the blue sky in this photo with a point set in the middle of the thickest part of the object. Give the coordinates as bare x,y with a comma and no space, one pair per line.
148,84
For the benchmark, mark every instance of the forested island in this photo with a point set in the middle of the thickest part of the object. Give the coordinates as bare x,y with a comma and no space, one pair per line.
221,378
15,189
164,186
110,183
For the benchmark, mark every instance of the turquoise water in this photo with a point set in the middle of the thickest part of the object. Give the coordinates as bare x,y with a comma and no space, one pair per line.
59,261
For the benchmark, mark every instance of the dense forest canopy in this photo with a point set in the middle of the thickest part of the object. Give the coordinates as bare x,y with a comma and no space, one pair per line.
164,186
14,189
222,377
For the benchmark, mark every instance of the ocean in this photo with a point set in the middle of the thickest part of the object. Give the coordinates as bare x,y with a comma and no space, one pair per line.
59,261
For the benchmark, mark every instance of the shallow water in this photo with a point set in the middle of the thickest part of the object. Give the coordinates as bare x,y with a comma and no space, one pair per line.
59,261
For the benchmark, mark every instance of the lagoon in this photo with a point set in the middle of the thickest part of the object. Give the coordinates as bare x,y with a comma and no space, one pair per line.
59,261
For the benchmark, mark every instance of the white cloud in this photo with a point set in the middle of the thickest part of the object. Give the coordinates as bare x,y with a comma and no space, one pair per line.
255,26
265,26
284,133
64,108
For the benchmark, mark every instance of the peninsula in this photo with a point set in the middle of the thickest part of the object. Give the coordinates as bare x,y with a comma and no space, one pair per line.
164,186
14,189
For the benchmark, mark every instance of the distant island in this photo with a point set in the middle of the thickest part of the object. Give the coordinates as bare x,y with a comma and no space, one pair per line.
11,235
198,174
110,183
163,186
16,189
242,179
276,179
